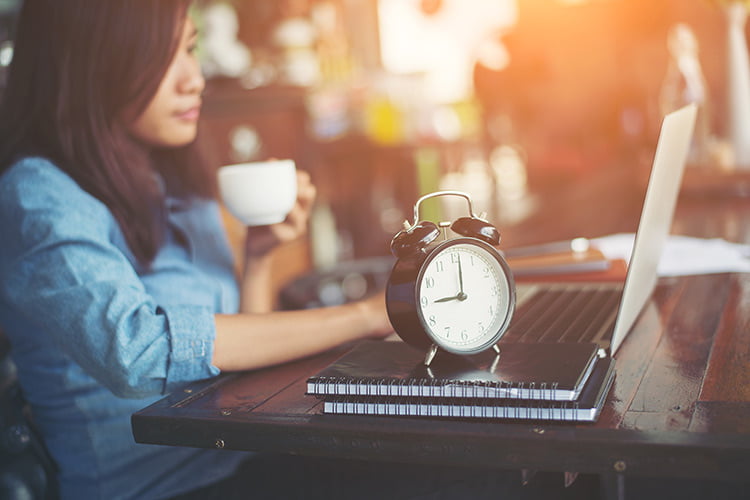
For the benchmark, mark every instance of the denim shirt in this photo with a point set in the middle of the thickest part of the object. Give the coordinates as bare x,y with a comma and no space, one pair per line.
96,337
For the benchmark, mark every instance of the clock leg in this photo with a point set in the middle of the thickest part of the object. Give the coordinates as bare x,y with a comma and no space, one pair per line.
495,361
494,364
430,355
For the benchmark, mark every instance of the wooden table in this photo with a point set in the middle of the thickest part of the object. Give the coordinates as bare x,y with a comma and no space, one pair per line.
679,406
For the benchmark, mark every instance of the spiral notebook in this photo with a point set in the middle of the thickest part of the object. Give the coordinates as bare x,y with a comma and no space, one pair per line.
540,371
585,409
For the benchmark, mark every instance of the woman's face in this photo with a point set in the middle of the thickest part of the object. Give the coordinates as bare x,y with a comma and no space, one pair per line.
171,117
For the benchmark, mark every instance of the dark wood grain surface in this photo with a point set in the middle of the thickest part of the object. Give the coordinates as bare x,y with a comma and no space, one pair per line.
679,406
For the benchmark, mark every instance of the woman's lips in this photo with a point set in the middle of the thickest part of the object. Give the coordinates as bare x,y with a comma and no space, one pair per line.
190,114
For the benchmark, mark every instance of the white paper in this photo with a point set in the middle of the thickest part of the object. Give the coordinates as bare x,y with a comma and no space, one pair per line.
683,255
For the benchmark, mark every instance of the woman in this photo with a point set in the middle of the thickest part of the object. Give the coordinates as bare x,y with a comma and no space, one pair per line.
117,282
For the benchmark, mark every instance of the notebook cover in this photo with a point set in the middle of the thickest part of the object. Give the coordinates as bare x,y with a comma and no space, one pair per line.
552,371
586,409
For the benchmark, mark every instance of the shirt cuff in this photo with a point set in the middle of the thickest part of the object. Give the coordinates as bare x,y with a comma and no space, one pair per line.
191,338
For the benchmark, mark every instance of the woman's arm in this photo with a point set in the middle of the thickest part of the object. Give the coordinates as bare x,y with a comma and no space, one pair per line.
69,285
248,341
258,337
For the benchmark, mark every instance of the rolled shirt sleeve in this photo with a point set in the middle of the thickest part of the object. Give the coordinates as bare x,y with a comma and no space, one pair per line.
190,345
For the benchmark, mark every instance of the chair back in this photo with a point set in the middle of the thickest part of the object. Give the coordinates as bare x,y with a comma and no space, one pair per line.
26,469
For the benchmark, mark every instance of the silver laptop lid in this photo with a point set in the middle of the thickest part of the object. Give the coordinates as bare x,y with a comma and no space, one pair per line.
656,218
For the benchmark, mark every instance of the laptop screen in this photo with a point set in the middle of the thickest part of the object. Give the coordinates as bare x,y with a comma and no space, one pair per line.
656,217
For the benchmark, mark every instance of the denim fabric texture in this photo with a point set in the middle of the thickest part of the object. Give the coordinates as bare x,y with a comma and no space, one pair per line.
96,338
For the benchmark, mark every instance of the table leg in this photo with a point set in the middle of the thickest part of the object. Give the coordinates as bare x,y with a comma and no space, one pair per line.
613,486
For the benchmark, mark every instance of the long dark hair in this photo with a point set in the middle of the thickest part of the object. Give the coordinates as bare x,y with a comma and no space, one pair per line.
77,65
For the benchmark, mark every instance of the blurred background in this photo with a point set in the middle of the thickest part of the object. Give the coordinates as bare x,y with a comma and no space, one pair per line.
509,100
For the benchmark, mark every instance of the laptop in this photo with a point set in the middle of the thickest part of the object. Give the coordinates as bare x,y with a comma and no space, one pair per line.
604,313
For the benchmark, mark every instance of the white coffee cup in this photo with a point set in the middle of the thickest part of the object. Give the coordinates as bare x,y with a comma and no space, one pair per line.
259,193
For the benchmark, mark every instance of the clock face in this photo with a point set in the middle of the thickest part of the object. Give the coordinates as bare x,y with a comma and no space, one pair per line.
465,296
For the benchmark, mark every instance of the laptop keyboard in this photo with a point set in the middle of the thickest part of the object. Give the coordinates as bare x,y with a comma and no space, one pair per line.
565,314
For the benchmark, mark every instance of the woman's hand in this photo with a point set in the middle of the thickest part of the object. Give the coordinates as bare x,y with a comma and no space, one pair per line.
375,315
256,279
260,240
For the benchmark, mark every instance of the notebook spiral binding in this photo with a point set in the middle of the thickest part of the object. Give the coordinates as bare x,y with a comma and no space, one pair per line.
420,387
454,408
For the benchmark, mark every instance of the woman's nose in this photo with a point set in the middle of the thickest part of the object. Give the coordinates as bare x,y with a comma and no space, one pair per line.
192,80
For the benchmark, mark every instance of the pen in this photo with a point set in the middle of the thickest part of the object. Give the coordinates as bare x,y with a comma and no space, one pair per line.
575,245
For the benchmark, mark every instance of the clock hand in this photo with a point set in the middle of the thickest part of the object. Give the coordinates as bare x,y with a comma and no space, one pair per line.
461,295
448,299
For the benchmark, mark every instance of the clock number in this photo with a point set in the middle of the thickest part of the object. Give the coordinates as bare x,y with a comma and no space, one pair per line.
424,301
455,258
430,282
431,320
439,266
464,335
447,332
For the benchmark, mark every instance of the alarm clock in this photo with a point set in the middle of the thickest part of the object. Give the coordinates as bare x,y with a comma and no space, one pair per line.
450,287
